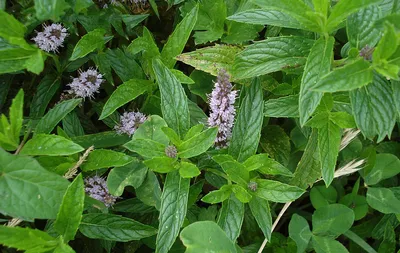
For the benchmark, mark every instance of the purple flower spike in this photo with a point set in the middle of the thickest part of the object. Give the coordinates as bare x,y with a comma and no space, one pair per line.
51,38
221,101
97,188
130,121
86,84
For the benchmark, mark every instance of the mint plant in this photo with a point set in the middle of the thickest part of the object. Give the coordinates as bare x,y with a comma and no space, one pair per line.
199,126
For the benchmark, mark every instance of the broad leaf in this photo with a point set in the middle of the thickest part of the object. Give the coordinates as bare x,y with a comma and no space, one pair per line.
325,244
211,59
349,77
206,236
233,169
174,105
386,166
231,216
104,158
299,231
332,220
70,214
318,64
218,196
284,107
149,191
55,115
49,9
52,145
271,55
152,129
31,240
266,165
383,200
16,115
11,26
173,209
162,164
276,191
125,93
114,228
247,129
88,43
261,211
178,39
374,108
132,174
43,190
197,144
146,148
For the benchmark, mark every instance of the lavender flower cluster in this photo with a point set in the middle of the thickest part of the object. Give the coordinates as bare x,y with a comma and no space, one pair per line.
97,188
221,102
129,122
86,84
51,38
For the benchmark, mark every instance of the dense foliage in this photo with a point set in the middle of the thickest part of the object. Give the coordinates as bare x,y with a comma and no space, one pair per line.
200,126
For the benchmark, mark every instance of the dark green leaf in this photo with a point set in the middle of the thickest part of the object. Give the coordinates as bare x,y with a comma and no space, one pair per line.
276,191
149,191
386,166
327,245
197,144
261,211
218,196
101,140
72,125
233,169
161,164
299,231
132,174
55,115
247,129
266,165
125,93
173,210
114,227
284,107
318,64
70,214
231,216
49,9
152,129
271,55
332,220
146,148
16,115
321,196
383,200
88,43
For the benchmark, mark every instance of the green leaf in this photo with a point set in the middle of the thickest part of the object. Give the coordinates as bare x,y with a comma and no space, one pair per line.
271,55
327,245
146,148
276,143
11,26
172,135
80,5
173,210
318,64
206,236
31,240
351,76
49,9
182,78
211,59
219,195
177,40
361,29
70,214
231,216
262,213
174,105
149,191
284,107
132,174
197,144
15,58
51,145
161,164
101,140
55,115
63,248
296,9
125,93
105,158
233,169
88,43
114,228
299,231
72,125
276,191
386,166
241,193
321,196
16,115
188,170
343,9
342,119
124,65
329,138
383,200
266,165
374,108
152,129
266,17
332,220
43,190
133,20
247,129
387,45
